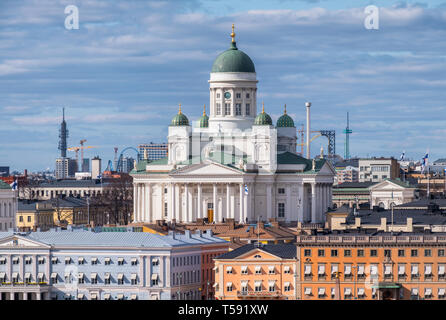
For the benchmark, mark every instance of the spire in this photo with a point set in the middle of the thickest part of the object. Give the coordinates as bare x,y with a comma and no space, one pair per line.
284,111
263,107
233,34
179,109
63,114
204,110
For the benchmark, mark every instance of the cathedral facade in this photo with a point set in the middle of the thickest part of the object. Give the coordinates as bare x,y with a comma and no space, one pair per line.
233,163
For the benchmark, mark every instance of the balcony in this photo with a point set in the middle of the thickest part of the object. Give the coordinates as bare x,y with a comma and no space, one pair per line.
259,294
23,284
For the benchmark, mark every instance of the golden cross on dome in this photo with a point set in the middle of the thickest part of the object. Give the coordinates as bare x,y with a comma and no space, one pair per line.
263,107
179,109
284,112
204,110
233,34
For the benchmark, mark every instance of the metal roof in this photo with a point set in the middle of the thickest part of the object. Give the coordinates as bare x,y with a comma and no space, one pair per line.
285,251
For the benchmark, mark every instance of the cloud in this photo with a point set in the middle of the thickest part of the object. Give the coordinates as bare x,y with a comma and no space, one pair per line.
123,73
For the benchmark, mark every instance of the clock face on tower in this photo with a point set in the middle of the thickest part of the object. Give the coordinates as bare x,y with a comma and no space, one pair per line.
227,95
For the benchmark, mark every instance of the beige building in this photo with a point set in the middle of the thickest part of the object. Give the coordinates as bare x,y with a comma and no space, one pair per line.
391,192
378,169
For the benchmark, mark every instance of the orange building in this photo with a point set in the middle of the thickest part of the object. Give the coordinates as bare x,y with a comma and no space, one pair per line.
257,272
372,267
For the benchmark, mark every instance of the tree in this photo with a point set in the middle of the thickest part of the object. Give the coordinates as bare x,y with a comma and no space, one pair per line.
117,199
28,188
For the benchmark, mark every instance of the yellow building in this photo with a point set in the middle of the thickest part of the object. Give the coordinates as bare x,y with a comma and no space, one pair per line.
33,215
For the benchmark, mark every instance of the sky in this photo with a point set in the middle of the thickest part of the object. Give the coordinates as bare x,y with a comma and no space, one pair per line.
122,74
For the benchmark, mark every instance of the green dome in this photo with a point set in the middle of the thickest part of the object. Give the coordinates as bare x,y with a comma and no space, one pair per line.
204,120
263,119
233,60
285,121
180,119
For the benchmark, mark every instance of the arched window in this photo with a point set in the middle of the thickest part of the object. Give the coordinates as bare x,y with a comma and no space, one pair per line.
381,205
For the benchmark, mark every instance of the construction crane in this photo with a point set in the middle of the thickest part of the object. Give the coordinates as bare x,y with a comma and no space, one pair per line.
76,149
329,134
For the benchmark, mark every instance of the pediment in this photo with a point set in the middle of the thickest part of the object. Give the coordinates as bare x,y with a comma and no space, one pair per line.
386,185
206,169
254,253
327,168
16,241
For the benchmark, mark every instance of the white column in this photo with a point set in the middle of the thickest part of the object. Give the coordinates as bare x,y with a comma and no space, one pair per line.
170,203
228,200
140,200
191,204
178,202
268,201
231,187
214,199
186,207
149,203
242,218
199,203
135,211
144,201
288,207
162,201
245,205
313,203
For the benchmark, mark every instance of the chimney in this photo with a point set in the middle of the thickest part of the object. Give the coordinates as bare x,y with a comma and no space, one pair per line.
383,225
171,233
231,223
199,233
209,232
187,233
308,105
274,223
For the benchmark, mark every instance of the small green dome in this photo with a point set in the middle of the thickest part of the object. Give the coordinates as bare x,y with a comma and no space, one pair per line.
204,120
233,60
180,119
285,121
263,119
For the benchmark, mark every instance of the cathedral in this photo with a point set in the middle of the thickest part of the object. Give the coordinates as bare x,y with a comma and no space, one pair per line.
233,163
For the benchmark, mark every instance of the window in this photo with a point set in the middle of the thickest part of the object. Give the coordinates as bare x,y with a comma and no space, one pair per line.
281,190
29,218
218,109
94,280
247,96
134,279
428,253
271,270
287,269
81,278
414,253
134,262
21,218
155,279
227,109
258,286
41,260
27,260
281,210
271,287
334,253
15,260
360,253
120,278
248,109
401,253
244,270
258,270
229,270
81,261
218,95
107,261
238,109
107,278
307,252
373,253
321,253
347,253
229,286
287,286
441,252
94,261
238,95
120,261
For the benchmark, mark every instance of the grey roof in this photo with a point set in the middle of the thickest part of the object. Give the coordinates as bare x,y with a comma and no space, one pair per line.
354,185
420,217
285,251
69,183
422,203
87,238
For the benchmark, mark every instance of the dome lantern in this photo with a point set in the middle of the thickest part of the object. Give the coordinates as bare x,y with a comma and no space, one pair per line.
180,119
263,119
204,120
